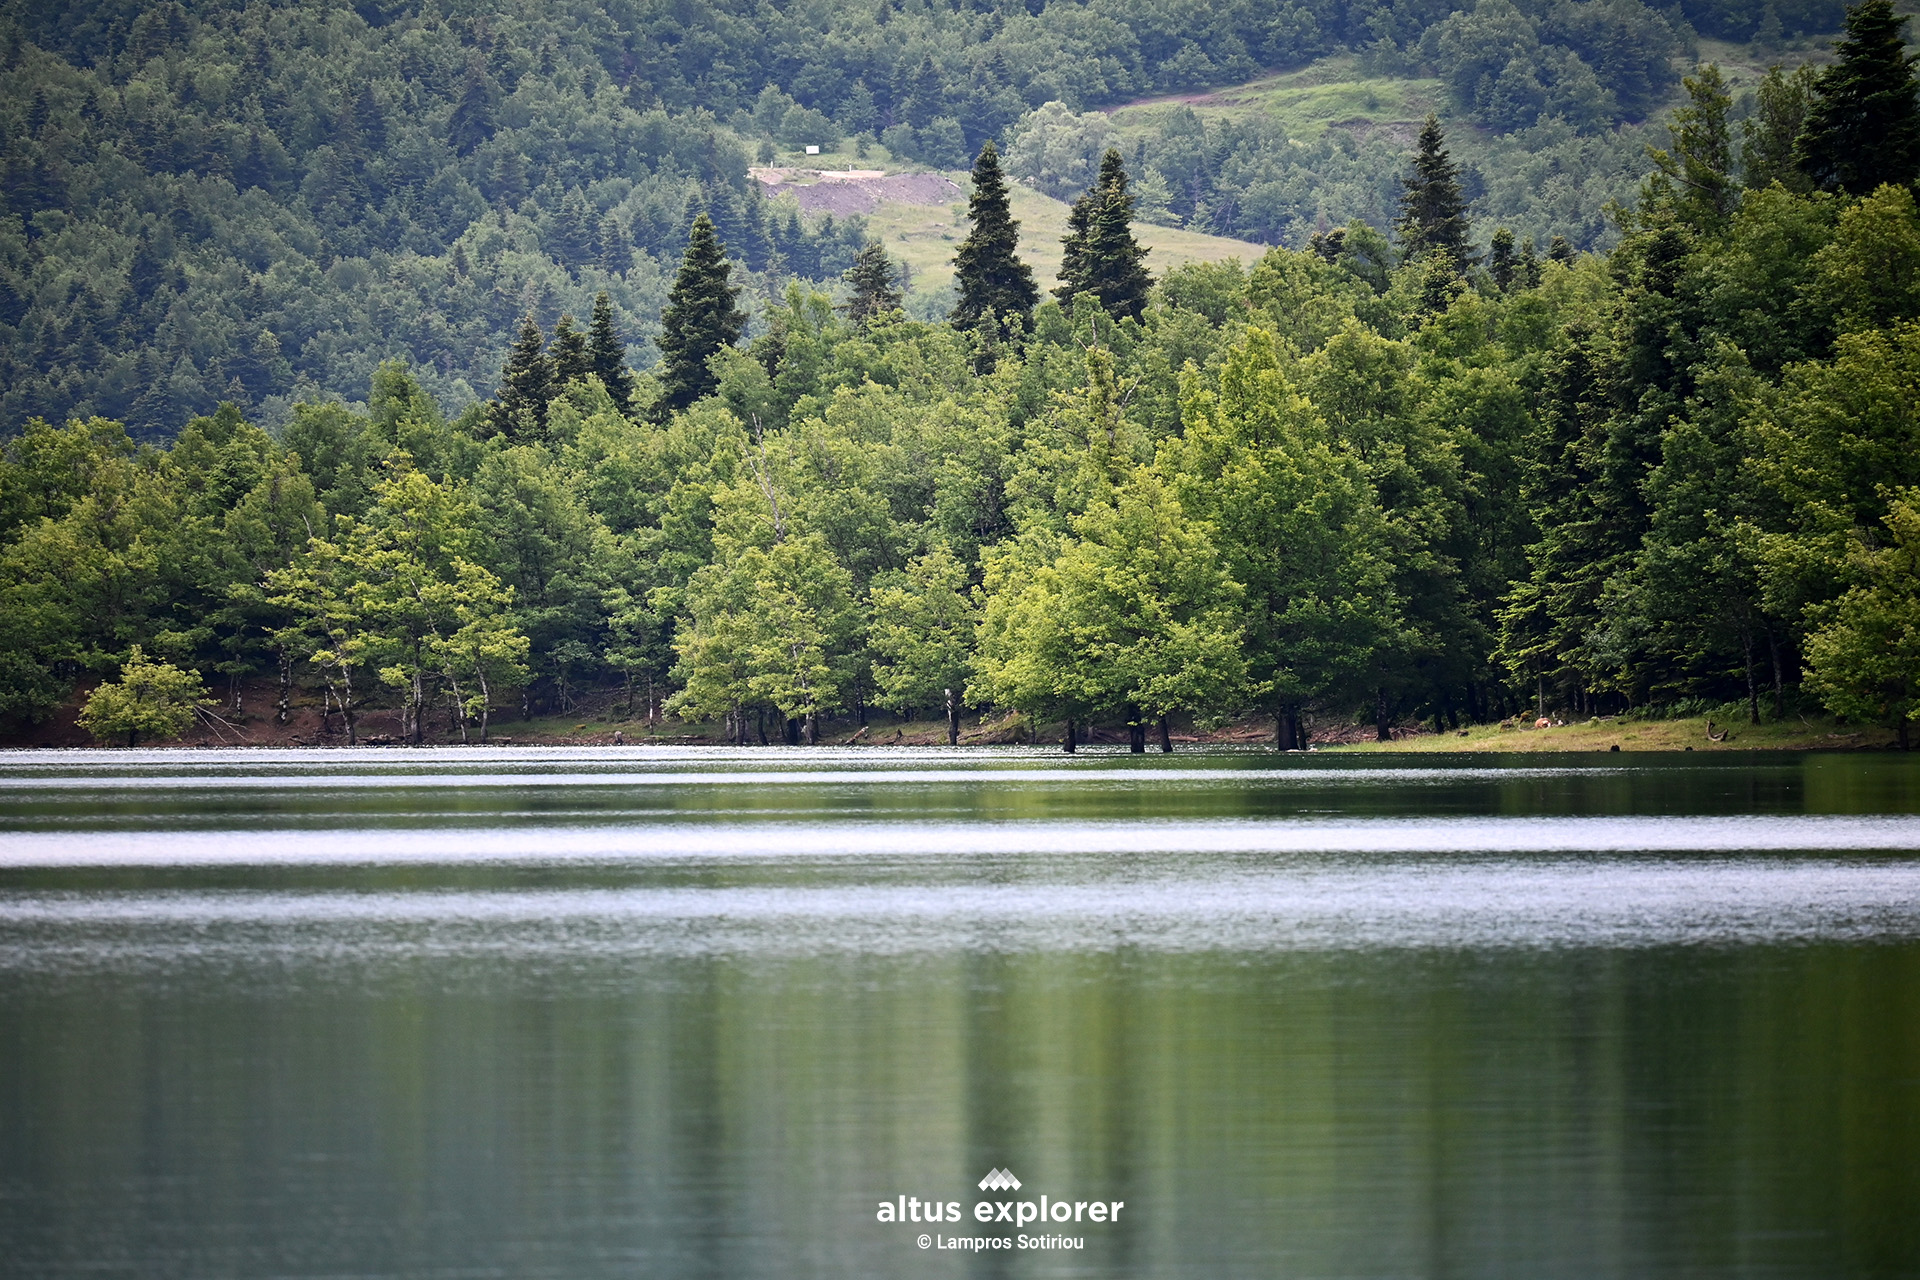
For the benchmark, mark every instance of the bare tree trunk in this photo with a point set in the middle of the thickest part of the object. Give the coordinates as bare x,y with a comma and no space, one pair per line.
1136,734
1753,690
1068,744
813,728
1166,737
1779,688
486,702
953,719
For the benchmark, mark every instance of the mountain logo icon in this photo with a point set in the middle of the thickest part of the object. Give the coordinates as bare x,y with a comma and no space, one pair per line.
1000,1180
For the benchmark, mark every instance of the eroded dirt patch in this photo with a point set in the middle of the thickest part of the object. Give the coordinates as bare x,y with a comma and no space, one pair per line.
845,193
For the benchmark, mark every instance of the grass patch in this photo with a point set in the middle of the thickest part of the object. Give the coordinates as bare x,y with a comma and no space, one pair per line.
926,236
1304,102
1690,733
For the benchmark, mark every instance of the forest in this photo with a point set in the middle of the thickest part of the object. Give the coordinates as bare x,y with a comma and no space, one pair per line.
1428,469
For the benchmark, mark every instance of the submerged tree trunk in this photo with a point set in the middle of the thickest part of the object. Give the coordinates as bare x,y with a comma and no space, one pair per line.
1068,744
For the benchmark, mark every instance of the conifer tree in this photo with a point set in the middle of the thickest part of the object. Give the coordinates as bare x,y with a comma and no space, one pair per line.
1779,116
519,410
994,283
873,284
1102,257
472,120
606,354
702,317
1433,213
1863,127
1502,264
568,352
1694,179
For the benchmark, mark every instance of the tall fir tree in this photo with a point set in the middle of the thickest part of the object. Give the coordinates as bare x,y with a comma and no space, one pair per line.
1101,256
872,282
607,354
568,352
1433,213
1769,134
1863,126
1502,262
519,410
994,283
701,318
1693,179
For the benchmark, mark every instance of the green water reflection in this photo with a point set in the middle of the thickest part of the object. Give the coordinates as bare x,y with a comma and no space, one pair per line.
1686,1110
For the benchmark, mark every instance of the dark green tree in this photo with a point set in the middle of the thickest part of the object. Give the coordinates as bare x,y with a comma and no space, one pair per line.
1101,256
994,283
873,284
701,319
607,354
1693,178
472,121
1433,212
1502,263
568,352
1779,116
519,410
1863,126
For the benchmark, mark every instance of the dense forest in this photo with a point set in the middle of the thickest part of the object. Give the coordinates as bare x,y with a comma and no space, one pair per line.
258,203
1427,469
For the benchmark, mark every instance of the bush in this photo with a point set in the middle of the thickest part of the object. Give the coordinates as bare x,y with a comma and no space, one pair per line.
154,698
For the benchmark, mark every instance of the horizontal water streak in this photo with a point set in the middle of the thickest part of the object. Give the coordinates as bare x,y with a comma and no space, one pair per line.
1483,903
692,839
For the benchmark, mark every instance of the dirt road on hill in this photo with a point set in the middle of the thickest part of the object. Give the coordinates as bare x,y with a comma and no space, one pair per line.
862,191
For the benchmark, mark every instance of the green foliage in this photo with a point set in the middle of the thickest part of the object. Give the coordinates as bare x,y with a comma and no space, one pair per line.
1864,662
157,699
1863,125
1101,256
702,319
873,287
1433,214
996,288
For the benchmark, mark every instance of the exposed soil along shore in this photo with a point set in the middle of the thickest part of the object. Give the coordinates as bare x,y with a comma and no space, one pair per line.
605,719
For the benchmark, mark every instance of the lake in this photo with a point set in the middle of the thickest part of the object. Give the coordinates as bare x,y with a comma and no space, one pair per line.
708,1013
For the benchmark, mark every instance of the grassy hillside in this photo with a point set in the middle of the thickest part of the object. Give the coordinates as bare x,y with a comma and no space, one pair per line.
1305,102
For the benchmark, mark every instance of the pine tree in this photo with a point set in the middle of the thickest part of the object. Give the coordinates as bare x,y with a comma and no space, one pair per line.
612,247
1502,264
1433,213
568,352
872,284
472,121
606,354
519,410
1694,180
1779,117
1560,250
1863,128
702,317
1101,256
993,282
1073,246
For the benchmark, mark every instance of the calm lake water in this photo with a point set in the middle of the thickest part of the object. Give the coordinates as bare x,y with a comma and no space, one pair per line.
651,1013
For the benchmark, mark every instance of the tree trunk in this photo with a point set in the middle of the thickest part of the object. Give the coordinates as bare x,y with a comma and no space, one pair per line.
1540,696
813,728
1381,732
1068,744
1779,689
486,702
1166,737
760,724
953,719
1753,690
283,709
1136,734
793,732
